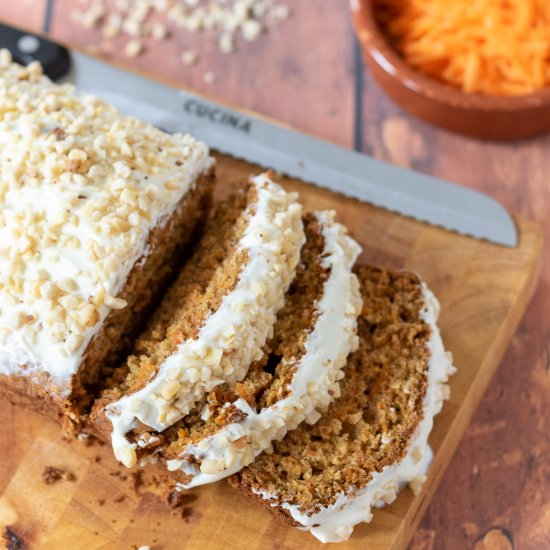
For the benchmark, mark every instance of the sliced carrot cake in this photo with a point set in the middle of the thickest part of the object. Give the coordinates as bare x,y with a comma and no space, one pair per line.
96,210
297,375
214,321
374,438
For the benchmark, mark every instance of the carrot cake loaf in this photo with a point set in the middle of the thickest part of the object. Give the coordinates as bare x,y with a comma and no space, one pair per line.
214,321
96,210
297,375
374,438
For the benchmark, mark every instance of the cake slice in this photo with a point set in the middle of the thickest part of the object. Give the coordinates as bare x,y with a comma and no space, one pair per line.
96,212
213,322
374,438
297,375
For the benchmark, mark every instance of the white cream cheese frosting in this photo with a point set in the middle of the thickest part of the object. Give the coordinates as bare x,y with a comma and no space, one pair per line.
335,523
314,384
233,336
81,187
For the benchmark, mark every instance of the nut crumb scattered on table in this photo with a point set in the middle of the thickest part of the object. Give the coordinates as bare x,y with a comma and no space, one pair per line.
225,20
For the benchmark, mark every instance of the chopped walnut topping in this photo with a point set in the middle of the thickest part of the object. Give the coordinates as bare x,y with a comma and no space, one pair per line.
80,188
133,48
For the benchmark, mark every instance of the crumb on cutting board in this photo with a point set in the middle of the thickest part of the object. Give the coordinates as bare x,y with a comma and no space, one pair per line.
52,474
12,540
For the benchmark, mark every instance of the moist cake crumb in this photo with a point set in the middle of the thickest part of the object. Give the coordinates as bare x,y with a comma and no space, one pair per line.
175,499
52,474
297,373
376,430
137,481
392,350
214,320
264,383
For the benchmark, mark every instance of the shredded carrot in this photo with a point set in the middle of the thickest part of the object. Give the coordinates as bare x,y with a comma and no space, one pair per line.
491,47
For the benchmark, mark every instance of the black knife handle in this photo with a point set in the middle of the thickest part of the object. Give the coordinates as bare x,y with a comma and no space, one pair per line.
26,47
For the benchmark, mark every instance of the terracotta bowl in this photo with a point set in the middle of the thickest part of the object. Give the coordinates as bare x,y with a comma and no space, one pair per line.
475,115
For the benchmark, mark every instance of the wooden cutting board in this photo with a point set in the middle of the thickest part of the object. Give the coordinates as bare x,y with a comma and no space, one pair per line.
483,290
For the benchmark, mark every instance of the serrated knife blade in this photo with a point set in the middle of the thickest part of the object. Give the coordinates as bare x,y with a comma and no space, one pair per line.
257,140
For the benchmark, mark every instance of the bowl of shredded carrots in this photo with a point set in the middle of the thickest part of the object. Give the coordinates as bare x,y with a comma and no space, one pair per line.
478,67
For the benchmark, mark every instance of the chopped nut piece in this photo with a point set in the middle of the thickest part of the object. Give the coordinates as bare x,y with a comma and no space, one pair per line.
73,343
133,48
251,30
88,316
209,77
115,303
169,390
5,58
226,43
189,57
159,31
112,27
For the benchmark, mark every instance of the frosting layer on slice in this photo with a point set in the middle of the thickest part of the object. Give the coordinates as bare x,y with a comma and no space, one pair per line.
299,373
373,439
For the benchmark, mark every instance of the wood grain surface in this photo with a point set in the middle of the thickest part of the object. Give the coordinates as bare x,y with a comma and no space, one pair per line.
483,291
495,491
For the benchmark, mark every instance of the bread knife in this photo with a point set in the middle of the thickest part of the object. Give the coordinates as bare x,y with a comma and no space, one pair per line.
255,139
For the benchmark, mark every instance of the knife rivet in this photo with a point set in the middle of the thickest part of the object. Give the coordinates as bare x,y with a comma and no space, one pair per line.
28,44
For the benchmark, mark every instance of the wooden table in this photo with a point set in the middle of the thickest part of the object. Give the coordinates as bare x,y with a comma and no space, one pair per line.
495,492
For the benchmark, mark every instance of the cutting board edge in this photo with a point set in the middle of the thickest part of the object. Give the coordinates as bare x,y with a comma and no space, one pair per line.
530,234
